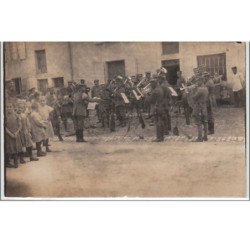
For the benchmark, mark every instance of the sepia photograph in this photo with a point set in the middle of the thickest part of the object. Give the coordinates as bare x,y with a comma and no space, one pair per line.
139,120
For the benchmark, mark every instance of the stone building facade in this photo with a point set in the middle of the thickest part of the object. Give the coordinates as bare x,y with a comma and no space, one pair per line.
46,64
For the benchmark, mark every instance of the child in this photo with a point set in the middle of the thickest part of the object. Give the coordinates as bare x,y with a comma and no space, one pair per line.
38,128
25,133
44,111
12,143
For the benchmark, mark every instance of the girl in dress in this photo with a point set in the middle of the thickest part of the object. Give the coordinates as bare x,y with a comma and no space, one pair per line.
44,111
38,128
13,144
25,133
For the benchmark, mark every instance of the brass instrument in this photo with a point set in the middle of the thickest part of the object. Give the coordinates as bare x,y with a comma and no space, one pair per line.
141,82
188,88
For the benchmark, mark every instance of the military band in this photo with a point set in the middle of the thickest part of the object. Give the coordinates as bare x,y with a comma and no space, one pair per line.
143,97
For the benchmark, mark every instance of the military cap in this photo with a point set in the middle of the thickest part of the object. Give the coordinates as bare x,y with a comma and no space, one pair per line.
153,81
205,74
154,76
162,70
119,77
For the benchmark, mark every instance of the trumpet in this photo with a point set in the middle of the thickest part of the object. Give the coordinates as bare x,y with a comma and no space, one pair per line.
188,88
141,82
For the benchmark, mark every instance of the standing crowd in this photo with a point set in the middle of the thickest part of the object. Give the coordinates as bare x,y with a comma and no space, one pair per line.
31,120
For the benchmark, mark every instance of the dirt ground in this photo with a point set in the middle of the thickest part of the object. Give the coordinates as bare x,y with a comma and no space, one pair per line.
169,169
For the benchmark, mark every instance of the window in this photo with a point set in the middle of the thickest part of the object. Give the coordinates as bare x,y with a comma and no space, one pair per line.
41,64
170,48
42,85
18,85
58,82
214,64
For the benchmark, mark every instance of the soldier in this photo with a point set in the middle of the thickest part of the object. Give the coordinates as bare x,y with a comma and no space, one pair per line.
179,82
146,103
80,102
119,102
210,116
167,102
200,98
50,97
96,92
66,101
157,99
104,105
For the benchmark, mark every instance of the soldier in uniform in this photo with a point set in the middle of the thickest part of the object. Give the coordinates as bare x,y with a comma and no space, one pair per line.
200,98
179,82
67,104
96,92
157,99
119,102
210,86
80,102
167,102
104,105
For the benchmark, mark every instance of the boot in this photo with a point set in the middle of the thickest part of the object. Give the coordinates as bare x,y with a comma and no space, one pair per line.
22,161
199,139
60,137
29,151
7,162
159,133
40,153
48,149
205,132
169,121
81,139
211,128
15,157
65,124
77,135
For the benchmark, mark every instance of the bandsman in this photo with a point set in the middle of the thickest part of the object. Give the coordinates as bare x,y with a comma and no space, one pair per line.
200,98
157,99
210,116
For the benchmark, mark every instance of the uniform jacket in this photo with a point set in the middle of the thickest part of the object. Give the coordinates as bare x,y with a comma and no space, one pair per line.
96,91
157,99
80,102
200,99
167,94
180,81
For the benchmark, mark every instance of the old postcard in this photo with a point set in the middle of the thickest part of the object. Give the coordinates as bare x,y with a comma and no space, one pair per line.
143,120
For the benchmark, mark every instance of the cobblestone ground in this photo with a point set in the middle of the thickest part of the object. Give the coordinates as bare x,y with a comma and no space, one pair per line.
229,127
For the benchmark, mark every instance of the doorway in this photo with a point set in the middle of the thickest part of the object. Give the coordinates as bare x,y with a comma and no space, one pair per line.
172,66
115,68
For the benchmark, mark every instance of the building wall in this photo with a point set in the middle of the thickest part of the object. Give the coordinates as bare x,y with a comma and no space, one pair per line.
87,60
57,57
188,52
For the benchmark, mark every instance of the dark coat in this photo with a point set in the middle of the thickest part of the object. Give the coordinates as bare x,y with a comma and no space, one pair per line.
200,99
80,102
157,100
167,95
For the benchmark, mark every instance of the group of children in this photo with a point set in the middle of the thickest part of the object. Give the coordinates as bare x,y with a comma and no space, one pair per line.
27,127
